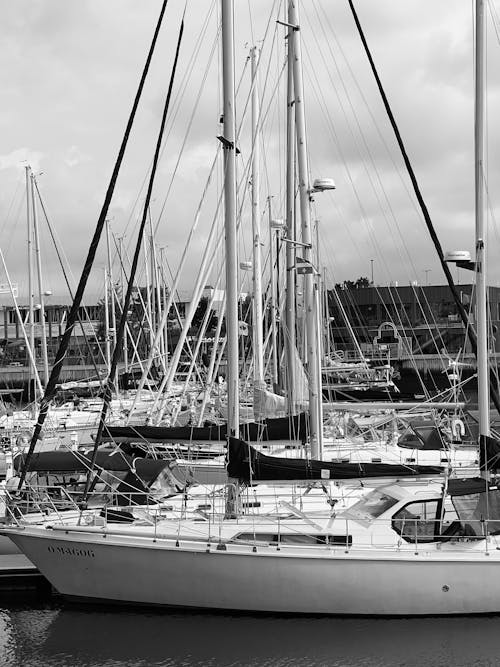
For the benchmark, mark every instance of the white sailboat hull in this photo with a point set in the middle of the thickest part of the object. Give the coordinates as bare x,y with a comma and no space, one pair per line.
264,579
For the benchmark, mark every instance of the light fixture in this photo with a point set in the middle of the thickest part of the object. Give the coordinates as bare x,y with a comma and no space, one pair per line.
322,184
457,256
461,258
277,223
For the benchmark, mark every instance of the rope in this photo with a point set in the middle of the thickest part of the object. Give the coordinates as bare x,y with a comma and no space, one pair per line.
66,279
463,315
63,347
135,261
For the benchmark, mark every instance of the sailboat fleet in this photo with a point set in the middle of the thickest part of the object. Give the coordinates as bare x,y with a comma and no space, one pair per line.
330,532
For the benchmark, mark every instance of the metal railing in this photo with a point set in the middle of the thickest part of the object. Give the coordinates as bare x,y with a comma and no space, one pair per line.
189,519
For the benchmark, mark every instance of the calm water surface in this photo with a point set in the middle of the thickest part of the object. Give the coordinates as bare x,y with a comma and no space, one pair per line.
55,634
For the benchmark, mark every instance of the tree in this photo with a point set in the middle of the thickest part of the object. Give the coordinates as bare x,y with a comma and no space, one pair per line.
360,283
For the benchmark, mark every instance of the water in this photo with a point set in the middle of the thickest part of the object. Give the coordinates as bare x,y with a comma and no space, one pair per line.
51,633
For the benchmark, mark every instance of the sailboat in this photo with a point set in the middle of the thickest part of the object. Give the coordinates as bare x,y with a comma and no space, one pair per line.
403,547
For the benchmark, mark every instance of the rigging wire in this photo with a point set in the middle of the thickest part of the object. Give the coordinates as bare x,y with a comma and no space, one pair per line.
324,105
68,285
369,168
19,186
135,261
495,18
180,95
473,337
61,353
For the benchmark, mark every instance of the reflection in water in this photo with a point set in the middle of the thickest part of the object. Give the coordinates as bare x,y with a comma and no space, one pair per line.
59,635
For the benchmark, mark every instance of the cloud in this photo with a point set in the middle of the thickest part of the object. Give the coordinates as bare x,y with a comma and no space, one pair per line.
20,158
70,71
75,156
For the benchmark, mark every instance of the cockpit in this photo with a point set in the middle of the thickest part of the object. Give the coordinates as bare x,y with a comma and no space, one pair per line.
465,508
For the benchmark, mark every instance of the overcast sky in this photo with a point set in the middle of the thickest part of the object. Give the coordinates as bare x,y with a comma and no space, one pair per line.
70,70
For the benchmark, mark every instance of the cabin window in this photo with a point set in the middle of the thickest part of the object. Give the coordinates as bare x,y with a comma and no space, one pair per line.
371,506
299,539
416,522
456,518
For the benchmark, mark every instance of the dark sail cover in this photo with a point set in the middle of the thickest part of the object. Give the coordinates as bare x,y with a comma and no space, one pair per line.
67,462
424,437
466,486
247,464
489,454
281,428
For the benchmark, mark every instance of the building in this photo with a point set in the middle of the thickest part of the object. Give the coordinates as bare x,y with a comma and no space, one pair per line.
408,320
88,338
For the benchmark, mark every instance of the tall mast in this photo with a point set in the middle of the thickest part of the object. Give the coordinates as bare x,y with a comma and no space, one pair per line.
111,336
273,262
258,345
310,286
107,342
165,305
43,328
230,216
158,301
152,260
122,284
148,308
290,336
481,232
31,326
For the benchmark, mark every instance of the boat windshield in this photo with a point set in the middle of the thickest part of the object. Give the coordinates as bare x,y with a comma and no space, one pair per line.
371,506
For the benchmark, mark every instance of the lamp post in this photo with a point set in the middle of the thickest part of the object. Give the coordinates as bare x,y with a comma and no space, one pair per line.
371,267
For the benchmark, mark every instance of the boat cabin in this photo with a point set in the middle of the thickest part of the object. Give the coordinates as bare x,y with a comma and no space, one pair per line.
463,508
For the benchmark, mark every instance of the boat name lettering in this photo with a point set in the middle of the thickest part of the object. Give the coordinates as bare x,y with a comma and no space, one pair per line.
72,551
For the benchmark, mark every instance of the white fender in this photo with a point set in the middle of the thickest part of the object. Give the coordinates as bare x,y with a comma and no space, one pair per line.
457,428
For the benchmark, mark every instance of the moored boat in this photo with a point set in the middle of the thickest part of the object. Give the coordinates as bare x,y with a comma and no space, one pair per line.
403,548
